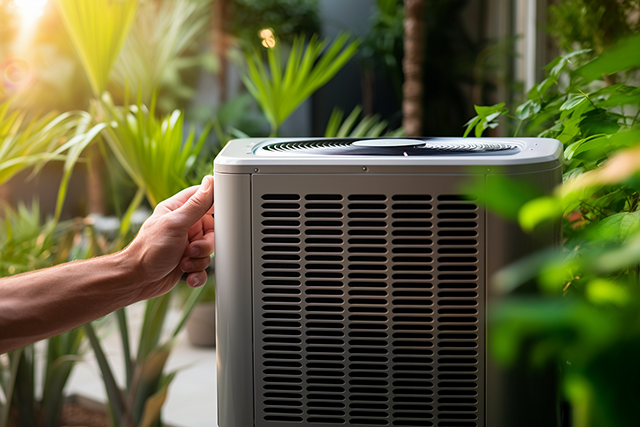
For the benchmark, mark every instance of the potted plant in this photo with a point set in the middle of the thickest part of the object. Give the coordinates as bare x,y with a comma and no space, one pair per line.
201,325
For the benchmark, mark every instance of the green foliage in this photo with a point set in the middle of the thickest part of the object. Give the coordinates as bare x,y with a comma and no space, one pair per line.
8,375
370,126
383,46
236,118
592,24
146,383
151,149
98,30
486,118
588,320
159,160
26,244
279,92
622,56
153,53
32,143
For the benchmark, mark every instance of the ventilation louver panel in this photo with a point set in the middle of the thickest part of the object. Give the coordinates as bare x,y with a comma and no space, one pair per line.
460,302
368,310
368,348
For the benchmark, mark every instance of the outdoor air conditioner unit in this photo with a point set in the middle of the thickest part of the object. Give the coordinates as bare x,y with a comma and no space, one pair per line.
352,282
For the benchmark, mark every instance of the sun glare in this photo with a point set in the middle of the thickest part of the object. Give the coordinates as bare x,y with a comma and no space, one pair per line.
15,68
29,10
14,73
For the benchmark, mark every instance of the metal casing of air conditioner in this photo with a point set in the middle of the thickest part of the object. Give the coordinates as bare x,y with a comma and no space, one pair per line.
352,282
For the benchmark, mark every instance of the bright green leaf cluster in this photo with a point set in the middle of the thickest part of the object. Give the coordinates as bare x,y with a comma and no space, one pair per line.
486,118
151,54
587,317
152,149
280,91
369,126
98,29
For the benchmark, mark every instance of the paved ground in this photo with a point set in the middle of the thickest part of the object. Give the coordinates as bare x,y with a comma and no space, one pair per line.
192,395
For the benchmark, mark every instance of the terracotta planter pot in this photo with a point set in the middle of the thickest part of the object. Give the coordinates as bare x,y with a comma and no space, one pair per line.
201,325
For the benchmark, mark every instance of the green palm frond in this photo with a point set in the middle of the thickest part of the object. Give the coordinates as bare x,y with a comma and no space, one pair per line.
25,241
98,29
279,92
161,32
152,150
369,126
26,143
32,143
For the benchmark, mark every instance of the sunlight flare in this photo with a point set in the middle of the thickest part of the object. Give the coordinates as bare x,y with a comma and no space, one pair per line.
29,10
14,73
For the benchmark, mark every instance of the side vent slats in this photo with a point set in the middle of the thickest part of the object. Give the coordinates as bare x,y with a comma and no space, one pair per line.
368,337
412,364
281,342
369,310
458,305
325,360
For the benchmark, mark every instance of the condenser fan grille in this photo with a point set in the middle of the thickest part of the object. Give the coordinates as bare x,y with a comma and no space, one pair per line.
306,145
390,147
369,310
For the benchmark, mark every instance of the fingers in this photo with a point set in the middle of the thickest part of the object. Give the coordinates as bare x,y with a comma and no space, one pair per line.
198,204
191,265
196,269
197,259
177,200
201,248
197,279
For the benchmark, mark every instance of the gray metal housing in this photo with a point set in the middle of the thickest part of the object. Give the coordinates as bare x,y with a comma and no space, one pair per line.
354,289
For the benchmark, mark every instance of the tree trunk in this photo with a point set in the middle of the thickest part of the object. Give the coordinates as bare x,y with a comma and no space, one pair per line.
368,91
412,89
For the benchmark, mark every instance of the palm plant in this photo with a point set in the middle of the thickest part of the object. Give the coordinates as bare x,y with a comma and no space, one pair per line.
151,149
98,30
369,126
152,152
161,33
26,244
32,143
154,155
279,92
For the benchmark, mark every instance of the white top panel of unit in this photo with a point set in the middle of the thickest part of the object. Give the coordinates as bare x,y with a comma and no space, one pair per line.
389,151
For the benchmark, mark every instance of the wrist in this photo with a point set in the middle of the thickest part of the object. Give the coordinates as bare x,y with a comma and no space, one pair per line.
128,266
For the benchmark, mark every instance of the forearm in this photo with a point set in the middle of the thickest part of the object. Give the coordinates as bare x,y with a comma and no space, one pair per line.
47,302
176,239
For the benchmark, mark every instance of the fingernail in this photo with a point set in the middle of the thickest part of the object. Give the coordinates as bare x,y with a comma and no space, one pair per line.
196,282
194,252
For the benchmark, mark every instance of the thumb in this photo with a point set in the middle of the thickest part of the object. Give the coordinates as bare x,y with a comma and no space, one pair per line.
198,204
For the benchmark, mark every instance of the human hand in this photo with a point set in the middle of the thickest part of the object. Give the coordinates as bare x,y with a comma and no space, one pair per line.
177,238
